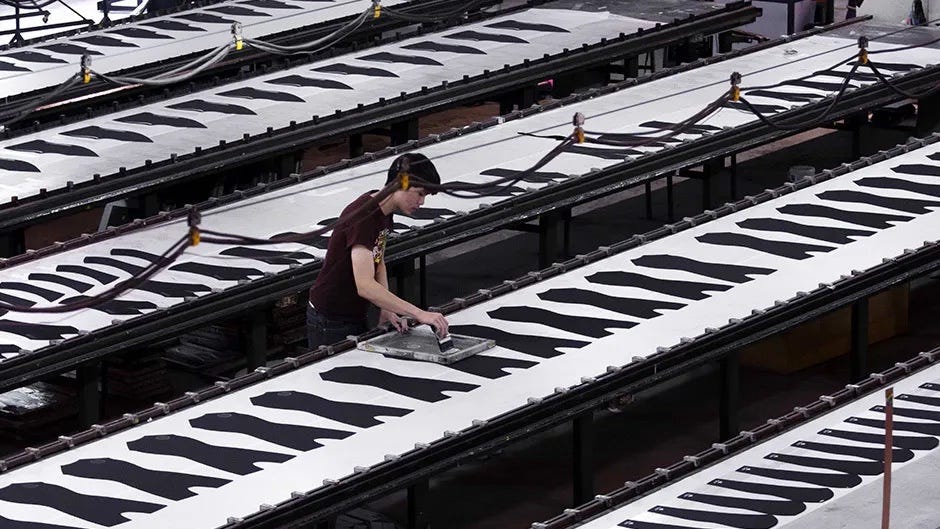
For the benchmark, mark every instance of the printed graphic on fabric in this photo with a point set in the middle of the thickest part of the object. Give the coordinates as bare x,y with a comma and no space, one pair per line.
171,25
59,280
772,507
900,455
173,290
822,233
8,523
693,129
526,26
273,257
140,33
673,287
863,77
741,521
97,275
321,241
828,479
385,56
66,48
269,4
15,300
858,468
442,47
816,85
424,213
352,413
17,165
635,524
294,436
199,105
37,331
48,295
913,413
98,133
891,66
117,307
872,220
800,494
903,426
485,37
113,263
762,108
919,169
640,308
236,11
633,140
235,460
205,18
502,191
726,272
540,346
9,67
48,147
96,509
794,97
793,250
538,177
900,441
106,42
348,69
908,205
583,325
426,389
898,183
298,80
169,485
920,399
605,153
491,367
248,92
32,56
149,118
224,273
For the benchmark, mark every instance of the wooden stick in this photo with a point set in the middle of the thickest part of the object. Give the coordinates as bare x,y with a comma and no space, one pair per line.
889,452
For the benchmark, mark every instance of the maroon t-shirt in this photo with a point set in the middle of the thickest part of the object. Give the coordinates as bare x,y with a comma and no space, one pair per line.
334,293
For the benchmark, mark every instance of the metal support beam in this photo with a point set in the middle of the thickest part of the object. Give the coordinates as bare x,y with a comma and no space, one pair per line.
256,346
648,193
552,240
859,352
729,397
733,169
88,379
582,433
631,67
356,148
517,99
404,131
12,243
423,281
408,280
855,123
724,42
418,502
928,115
325,524
670,199
830,12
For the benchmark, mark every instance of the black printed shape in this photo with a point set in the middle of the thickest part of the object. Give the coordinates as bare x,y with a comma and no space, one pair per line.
429,213
113,263
900,441
920,399
881,182
800,494
637,524
931,386
101,510
908,205
772,507
634,140
827,479
32,56
527,26
224,273
107,42
911,412
273,257
237,11
66,48
17,165
440,46
248,92
793,250
540,346
235,460
672,287
303,438
892,66
169,485
725,272
133,252
606,153
385,56
856,76
585,326
352,413
76,285
480,36
872,220
48,295
7,523
537,177
117,307
822,233
98,133
793,97
97,275
491,367
918,168
37,331
320,241
149,118
426,389
171,25
349,69
859,468
173,290
15,300
269,4
200,105
140,33
904,426
817,85
640,308
48,147
741,521
694,129
205,18
899,455
299,80
762,108
10,67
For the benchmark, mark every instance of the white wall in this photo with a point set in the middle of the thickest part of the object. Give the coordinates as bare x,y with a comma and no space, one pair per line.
894,11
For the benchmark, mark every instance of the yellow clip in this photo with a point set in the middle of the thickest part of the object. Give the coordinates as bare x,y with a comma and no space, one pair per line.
86,76
193,236
579,134
863,56
735,93
405,183
239,44
378,10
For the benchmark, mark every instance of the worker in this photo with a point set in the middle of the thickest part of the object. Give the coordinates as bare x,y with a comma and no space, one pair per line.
354,273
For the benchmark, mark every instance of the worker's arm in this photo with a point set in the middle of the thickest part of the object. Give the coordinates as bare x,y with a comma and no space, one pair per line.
364,273
399,323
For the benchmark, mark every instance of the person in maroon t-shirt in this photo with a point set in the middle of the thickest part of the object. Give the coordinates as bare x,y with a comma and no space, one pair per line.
353,273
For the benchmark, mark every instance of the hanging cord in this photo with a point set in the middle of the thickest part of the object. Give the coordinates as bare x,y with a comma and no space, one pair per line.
409,16
318,44
21,112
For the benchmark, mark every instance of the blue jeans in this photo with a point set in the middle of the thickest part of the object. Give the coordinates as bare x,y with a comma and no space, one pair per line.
324,331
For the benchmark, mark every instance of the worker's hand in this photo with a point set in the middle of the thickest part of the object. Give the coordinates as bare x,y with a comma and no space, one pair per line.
397,322
434,319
